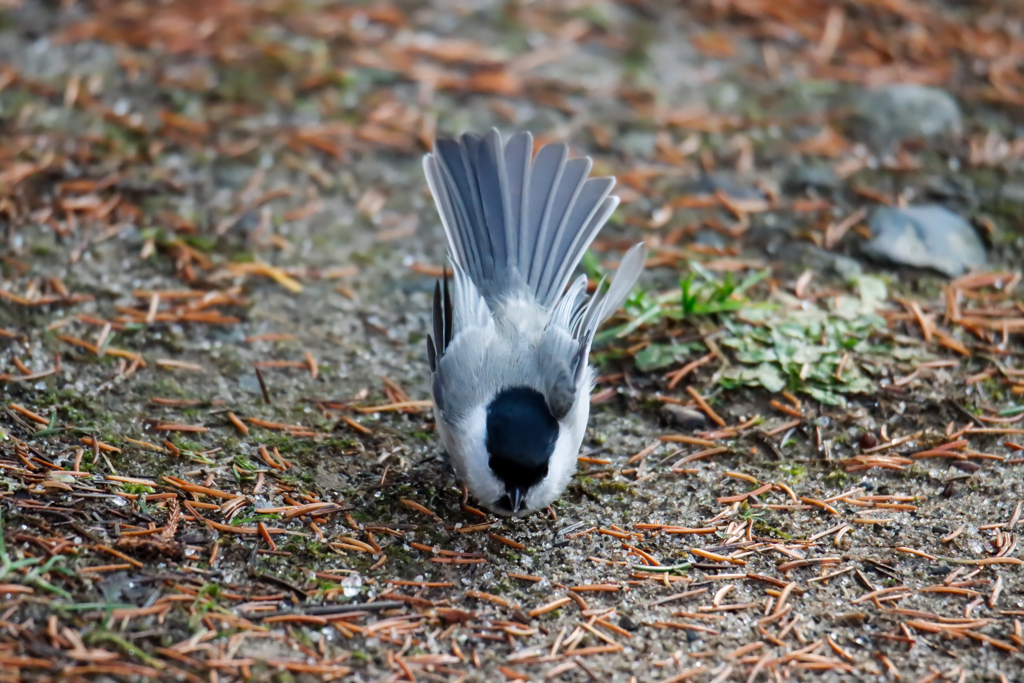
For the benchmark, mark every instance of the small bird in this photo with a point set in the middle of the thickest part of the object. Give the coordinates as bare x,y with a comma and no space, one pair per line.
509,351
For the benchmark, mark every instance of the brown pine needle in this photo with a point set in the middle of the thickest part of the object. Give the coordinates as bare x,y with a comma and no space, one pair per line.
239,425
676,376
362,429
35,417
708,410
419,508
507,541
490,597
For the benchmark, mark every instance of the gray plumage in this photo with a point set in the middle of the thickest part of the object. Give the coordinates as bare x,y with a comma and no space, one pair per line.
514,226
517,228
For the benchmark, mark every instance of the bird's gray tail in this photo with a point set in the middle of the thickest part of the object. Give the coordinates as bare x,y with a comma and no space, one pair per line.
516,225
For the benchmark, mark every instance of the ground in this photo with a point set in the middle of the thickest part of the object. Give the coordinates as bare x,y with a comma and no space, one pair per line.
218,457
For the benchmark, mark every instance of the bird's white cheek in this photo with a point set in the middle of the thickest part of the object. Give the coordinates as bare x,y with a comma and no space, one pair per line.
467,448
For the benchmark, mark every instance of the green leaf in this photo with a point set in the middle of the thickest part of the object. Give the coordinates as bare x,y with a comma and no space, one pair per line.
657,356
767,375
826,396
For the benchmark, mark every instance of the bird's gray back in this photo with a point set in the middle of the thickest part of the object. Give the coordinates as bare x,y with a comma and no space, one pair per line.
480,362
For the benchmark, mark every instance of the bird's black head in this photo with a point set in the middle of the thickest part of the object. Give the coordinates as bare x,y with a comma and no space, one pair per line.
521,435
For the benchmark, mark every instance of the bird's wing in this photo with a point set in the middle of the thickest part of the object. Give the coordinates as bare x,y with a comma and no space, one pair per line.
454,317
576,317
605,302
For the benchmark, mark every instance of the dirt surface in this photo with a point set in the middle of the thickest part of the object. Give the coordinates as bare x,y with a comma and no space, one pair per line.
218,254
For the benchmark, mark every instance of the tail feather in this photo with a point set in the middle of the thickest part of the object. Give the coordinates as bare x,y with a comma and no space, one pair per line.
545,177
601,208
515,226
563,202
493,186
518,157
453,212
605,302
630,268
582,315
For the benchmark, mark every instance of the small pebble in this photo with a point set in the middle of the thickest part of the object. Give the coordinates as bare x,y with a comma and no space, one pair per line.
850,618
868,441
681,417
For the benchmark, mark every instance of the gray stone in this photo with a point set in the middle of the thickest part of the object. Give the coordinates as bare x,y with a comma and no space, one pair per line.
231,175
1012,192
726,96
125,587
959,188
628,624
906,111
638,143
45,60
807,255
721,181
681,417
250,383
672,68
710,238
809,176
927,236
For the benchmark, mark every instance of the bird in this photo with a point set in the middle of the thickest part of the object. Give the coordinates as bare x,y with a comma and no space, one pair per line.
510,340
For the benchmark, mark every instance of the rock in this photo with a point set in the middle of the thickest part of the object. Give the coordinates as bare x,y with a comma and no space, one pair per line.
723,182
1012,192
906,111
124,587
638,143
710,238
673,67
628,624
686,419
231,175
34,18
809,176
46,60
807,255
850,618
250,384
939,571
231,335
725,96
950,189
927,236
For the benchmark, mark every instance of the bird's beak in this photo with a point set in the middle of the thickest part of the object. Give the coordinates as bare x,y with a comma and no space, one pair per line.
515,497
